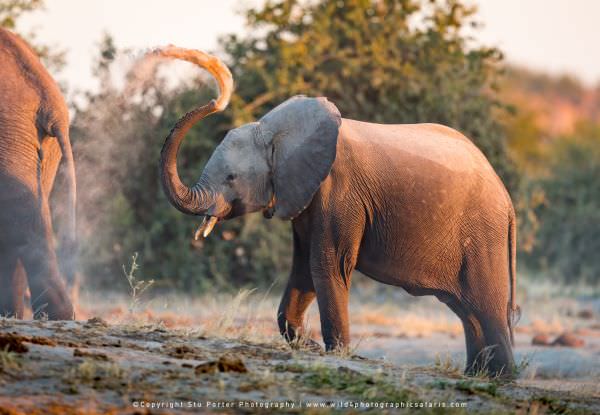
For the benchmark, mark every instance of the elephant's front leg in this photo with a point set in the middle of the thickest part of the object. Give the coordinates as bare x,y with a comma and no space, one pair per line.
331,278
298,295
333,310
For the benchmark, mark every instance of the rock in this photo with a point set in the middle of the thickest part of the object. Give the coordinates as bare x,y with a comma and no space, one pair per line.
568,340
226,363
93,355
13,343
42,341
183,351
541,339
585,314
96,322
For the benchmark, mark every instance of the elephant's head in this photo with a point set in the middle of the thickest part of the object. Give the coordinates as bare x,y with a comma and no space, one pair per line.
274,165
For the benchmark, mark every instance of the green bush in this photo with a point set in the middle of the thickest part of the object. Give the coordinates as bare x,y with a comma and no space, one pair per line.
565,209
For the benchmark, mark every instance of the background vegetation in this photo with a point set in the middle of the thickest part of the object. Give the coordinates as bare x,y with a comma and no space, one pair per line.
401,61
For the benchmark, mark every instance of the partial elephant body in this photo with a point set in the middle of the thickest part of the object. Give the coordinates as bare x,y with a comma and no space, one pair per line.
415,206
427,192
34,137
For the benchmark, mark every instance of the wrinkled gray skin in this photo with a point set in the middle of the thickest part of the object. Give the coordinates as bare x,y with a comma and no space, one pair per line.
34,125
415,206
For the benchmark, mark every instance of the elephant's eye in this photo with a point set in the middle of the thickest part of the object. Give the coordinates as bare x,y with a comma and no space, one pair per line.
231,177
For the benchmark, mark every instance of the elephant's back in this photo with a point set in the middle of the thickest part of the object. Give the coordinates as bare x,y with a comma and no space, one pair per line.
423,156
26,87
439,146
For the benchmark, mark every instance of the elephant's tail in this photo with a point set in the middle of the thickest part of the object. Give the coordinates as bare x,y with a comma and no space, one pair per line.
69,239
514,311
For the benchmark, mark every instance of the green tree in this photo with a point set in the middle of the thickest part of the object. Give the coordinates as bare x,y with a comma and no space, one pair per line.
566,208
11,10
10,13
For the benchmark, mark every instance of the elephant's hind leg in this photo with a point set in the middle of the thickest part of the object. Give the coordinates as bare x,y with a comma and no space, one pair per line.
474,338
497,354
48,292
12,285
485,298
20,289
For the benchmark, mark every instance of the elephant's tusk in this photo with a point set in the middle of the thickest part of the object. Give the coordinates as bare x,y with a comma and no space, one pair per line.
206,227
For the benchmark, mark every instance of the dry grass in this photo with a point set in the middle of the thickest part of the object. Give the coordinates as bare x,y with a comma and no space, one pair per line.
445,364
401,322
222,321
251,315
8,360
246,315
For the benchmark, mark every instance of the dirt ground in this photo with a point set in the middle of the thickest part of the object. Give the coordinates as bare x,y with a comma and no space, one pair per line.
93,367
223,354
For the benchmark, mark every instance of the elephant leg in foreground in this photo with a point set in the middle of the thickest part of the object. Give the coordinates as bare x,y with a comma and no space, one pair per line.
331,272
298,295
497,355
474,340
487,333
11,284
48,292
332,298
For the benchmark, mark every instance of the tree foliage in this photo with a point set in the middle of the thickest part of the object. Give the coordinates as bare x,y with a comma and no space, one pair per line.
11,10
10,13
565,208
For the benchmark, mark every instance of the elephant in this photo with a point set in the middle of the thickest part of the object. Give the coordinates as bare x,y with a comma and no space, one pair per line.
34,137
416,206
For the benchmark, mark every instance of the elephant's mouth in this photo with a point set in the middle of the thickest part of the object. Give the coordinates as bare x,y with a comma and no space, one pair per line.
206,227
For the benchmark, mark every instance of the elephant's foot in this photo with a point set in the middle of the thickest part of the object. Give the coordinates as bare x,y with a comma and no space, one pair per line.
492,363
306,343
497,374
55,312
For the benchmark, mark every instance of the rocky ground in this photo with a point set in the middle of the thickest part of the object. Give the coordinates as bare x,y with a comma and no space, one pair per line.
92,367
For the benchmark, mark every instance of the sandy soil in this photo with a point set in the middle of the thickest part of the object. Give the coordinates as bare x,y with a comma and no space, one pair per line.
223,354
95,367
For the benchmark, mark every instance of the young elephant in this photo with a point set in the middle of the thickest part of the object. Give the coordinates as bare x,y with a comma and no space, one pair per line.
34,136
416,206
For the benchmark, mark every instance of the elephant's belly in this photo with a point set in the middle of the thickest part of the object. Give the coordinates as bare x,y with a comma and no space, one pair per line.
420,271
383,271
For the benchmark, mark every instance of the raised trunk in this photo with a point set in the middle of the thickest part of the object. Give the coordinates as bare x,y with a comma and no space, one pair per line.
191,200
195,200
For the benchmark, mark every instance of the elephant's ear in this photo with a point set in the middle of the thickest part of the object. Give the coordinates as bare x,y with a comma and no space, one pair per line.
303,135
